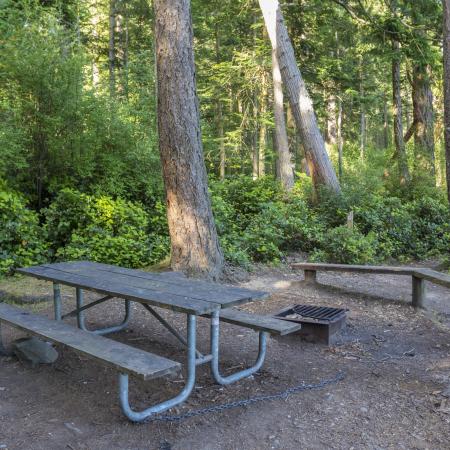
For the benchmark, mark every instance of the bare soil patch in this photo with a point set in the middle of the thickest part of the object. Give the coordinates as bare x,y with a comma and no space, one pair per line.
396,361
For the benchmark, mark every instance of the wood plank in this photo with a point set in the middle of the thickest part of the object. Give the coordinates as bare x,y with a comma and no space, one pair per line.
258,322
112,353
355,268
433,276
174,282
182,303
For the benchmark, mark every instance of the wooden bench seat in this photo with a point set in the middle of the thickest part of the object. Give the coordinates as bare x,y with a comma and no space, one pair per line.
417,274
115,354
258,322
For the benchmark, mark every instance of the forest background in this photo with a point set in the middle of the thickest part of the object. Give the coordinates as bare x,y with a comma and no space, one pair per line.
80,173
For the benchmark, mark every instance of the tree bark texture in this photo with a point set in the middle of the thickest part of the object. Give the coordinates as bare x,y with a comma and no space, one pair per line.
446,45
302,107
284,167
397,114
194,241
423,118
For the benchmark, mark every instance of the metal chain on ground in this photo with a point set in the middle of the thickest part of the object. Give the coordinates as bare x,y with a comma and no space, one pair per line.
245,402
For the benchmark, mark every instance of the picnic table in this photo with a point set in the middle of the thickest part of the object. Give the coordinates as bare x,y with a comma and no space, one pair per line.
169,290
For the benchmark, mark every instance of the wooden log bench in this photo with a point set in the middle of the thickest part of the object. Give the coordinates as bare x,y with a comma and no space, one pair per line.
257,322
417,274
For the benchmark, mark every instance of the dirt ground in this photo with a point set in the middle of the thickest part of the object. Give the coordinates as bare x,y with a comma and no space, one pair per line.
395,394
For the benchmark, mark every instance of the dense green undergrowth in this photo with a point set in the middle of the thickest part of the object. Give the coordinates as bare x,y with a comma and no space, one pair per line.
256,221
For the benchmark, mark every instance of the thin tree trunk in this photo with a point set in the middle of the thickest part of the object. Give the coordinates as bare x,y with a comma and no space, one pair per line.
219,119
284,167
423,117
194,241
222,153
340,140
302,107
111,48
94,20
254,141
397,114
363,124
446,46
331,120
262,127
385,122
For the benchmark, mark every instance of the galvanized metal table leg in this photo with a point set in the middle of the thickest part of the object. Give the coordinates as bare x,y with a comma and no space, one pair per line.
139,416
201,359
80,314
215,354
121,326
113,329
57,300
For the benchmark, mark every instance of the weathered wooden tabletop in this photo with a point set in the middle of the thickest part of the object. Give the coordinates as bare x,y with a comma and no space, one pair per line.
167,290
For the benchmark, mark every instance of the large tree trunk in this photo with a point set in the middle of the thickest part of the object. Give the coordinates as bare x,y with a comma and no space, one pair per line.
284,167
397,114
302,107
446,45
423,119
195,246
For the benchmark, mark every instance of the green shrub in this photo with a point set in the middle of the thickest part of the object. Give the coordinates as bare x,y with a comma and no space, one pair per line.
430,224
22,240
346,246
105,230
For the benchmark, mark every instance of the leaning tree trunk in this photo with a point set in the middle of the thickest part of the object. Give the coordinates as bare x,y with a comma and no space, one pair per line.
397,114
195,246
446,42
302,107
284,167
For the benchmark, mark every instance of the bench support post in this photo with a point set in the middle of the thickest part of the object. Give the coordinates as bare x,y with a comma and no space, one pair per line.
310,276
140,416
3,351
418,292
81,322
57,300
215,354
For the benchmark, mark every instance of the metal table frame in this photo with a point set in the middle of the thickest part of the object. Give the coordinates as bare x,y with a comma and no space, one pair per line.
194,357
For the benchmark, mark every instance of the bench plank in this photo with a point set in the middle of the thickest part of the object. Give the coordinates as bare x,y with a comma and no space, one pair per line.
435,277
258,322
355,268
120,356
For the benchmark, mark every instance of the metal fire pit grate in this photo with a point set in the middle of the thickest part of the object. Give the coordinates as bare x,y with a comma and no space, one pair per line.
318,313
319,323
